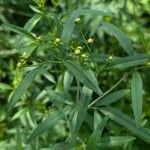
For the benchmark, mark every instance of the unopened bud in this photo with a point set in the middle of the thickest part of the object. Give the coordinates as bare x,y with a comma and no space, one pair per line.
83,55
77,51
90,41
77,20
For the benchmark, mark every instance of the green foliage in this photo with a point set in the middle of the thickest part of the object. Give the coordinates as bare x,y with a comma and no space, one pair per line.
66,83
136,94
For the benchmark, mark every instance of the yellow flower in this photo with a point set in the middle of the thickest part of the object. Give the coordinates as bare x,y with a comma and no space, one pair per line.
77,20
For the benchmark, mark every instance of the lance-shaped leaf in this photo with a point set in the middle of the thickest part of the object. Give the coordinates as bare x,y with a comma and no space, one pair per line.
19,30
4,86
69,25
127,122
110,141
96,135
68,78
19,140
28,27
113,97
48,123
136,95
126,62
120,36
82,107
86,76
22,87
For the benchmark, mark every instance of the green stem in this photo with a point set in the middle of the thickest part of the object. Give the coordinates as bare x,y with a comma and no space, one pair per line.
89,49
113,87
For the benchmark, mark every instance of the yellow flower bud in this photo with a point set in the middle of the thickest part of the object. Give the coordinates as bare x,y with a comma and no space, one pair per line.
19,65
90,41
110,58
79,47
83,55
58,41
77,20
24,54
77,51
148,63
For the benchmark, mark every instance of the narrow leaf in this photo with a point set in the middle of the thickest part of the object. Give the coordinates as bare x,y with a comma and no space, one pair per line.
19,30
22,87
32,22
126,62
113,97
127,122
96,135
4,86
19,140
82,107
48,123
110,141
120,36
86,76
68,78
136,94
28,27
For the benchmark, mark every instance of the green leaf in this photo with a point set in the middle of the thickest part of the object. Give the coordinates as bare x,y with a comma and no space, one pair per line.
35,9
86,76
4,86
22,87
97,118
49,123
127,122
120,36
82,107
69,25
68,78
32,22
28,49
126,62
113,97
136,95
19,140
56,2
110,141
28,27
96,135
19,30
57,98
